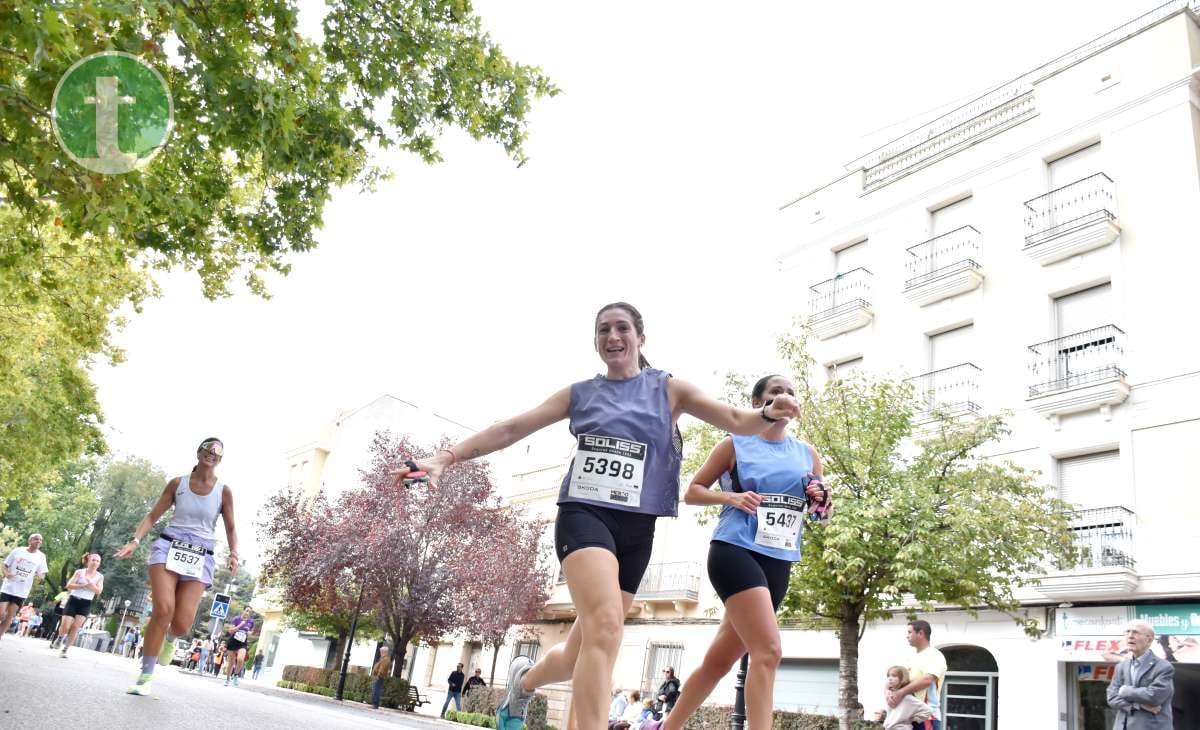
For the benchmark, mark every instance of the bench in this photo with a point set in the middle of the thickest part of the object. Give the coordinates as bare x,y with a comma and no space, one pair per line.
414,700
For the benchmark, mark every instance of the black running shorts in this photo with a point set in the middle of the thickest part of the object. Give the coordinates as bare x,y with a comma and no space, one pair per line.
733,569
77,606
628,535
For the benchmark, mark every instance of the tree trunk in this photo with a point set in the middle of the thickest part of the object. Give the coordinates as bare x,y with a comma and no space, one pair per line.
495,656
849,708
401,653
339,649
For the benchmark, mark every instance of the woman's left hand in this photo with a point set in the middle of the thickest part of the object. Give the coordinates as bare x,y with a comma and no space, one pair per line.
233,565
816,489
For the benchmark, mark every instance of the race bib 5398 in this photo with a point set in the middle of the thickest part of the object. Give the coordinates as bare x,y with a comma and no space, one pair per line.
608,469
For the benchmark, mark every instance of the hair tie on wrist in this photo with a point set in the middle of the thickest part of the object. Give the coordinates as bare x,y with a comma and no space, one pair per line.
453,456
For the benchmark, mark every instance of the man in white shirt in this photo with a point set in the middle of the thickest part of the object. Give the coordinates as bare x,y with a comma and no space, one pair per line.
22,568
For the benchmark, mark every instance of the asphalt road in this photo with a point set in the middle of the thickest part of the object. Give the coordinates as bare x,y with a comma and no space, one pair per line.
87,689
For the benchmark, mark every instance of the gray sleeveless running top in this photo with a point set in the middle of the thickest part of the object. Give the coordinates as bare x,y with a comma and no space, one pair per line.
196,514
624,430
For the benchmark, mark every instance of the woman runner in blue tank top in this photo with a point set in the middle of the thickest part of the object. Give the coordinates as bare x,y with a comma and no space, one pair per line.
767,481
624,475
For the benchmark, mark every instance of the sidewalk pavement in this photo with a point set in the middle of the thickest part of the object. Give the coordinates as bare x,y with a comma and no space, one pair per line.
426,716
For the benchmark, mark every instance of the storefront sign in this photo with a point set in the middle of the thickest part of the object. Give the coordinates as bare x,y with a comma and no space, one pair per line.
1095,672
1092,620
1174,619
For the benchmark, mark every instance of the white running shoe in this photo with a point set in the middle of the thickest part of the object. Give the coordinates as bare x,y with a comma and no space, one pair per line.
510,715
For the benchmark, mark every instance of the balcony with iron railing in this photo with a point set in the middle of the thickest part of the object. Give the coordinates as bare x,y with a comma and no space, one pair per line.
944,266
952,391
1071,220
840,304
670,582
1078,372
1105,566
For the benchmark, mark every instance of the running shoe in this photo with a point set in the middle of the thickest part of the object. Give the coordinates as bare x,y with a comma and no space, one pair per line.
141,687
510,715
235,681
166,653
63,653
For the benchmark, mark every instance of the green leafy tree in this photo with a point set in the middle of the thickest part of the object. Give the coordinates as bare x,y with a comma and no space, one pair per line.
268,123
92,507
918,515
335,623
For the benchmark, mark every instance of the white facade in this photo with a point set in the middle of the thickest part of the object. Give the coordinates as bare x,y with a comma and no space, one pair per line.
1034,253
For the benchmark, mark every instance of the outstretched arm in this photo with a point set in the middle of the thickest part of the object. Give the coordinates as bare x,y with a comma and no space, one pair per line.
687,398
497,436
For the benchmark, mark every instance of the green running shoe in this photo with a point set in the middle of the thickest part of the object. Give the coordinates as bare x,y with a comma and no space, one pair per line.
141,687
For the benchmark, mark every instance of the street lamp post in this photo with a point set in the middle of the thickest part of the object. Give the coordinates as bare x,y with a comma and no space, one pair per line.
350,641
120,628
737,719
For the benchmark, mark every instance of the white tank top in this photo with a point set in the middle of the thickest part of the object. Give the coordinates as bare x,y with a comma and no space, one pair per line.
79,577
196,514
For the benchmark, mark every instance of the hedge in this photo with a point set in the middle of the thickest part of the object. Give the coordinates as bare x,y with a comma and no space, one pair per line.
485,700
716,717
477,719
358,684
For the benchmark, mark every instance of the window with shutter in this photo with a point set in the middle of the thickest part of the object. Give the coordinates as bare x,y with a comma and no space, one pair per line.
1090,481
1075,166
950,217
850,258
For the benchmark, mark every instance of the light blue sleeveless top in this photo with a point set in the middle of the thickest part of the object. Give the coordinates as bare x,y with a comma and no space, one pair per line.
627,457
766,467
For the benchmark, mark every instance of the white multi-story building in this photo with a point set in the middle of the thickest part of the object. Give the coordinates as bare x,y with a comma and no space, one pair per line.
1032,251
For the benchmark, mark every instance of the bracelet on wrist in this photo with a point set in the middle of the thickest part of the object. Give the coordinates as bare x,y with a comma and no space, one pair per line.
135,540
453,456
763,412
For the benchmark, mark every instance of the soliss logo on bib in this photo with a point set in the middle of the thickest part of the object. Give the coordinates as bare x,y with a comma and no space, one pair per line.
608,469
186,559
780,519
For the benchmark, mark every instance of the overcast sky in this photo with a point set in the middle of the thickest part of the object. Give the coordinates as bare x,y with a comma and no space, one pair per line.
469,287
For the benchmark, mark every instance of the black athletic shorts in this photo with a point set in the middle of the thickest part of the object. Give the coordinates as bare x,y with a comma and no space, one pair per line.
77,606
628,535
234,645
733,569
10,598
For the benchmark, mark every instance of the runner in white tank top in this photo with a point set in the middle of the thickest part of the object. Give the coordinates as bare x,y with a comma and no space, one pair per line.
181,557
85,584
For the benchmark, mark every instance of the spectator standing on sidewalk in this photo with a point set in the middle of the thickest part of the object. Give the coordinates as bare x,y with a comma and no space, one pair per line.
258,663
454,687
927,672
475,680
379,672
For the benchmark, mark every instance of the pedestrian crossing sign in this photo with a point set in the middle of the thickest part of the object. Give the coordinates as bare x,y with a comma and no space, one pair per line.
220,606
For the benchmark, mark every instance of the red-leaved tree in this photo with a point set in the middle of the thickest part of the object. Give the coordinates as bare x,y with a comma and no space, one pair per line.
511,585
414,551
